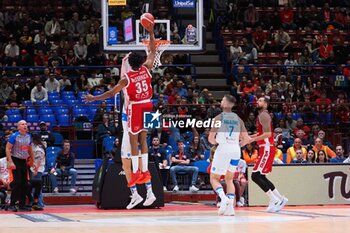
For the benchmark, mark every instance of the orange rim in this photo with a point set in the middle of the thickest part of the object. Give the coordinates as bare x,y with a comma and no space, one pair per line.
158,42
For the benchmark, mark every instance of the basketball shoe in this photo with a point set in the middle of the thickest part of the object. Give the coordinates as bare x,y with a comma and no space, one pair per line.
224,205
241,201
272,208
135,200
145,176
149,199
135,177
176,188
282,203
230,209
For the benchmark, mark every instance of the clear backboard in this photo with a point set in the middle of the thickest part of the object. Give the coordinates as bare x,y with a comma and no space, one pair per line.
179,21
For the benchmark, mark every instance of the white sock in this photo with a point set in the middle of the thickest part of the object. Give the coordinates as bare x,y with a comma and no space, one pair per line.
277,194
135,163
148,187
133,190
220,192
272,196
144,158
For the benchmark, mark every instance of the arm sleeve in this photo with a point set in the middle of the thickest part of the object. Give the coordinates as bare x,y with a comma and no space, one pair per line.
46,96
12,139
32,96
71,164
330,152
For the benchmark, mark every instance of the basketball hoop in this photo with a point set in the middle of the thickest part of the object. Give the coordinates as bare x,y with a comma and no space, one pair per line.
161,46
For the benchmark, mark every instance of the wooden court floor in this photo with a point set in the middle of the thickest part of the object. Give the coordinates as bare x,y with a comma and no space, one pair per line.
180,217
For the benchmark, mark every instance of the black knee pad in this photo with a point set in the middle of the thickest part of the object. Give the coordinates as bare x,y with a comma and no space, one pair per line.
256,176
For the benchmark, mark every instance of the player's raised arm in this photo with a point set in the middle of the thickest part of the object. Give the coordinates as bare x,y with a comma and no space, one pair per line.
109,94
213,132
152,48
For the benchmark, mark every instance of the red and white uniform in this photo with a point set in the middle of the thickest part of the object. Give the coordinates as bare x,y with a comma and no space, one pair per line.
139,91
267,150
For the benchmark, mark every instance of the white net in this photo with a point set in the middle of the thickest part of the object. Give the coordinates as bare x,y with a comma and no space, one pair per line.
161,46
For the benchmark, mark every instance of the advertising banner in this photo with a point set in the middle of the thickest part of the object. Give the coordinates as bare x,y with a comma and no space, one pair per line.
306,185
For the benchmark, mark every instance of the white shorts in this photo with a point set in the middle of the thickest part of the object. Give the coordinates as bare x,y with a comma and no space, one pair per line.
126,148
226,158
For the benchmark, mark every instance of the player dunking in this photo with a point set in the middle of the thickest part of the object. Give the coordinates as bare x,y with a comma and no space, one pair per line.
231,135
138,90
126,149
263,166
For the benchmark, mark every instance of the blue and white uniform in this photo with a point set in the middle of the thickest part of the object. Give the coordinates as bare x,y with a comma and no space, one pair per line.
126,148
228,153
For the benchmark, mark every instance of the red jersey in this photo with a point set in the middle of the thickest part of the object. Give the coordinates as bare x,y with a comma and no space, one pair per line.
287,16
260,37
259,130
139,86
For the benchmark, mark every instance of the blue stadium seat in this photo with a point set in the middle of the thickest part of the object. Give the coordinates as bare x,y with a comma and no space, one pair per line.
80,94
45,111
98,163
97,93
108,142
60,111
58,139
14,118
54,97
79,111
28,103
51,155
14,111
56,107
68,97
202,166
30,110
329,118
42,102
166,98
53,149
279,115
56,102
187,136
168,153
110,101
49,118
32,118
63,120
148,140
67,93
251,99
206,154
53,93
154,101
296,115
71,102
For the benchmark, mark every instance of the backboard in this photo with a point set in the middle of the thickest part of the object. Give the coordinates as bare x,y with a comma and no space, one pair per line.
179,21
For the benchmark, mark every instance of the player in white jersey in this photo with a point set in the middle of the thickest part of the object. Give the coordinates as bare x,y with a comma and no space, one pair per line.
230,136
126,150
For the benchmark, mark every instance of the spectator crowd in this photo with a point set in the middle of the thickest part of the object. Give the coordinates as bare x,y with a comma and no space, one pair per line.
305,102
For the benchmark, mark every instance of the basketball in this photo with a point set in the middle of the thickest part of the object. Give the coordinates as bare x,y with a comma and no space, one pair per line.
147,20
